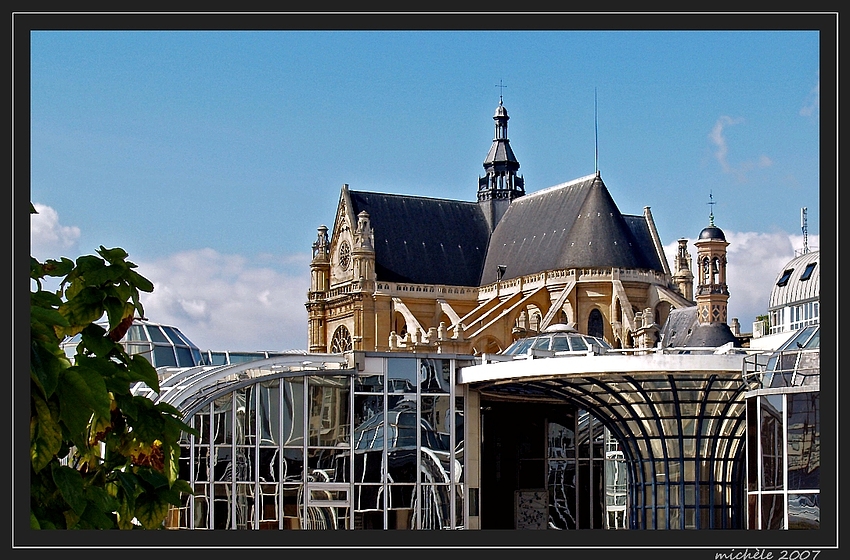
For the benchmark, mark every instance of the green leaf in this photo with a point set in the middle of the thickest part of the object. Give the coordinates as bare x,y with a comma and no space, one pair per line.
46,366
140,282
70,484
94,340
116,255
152,477
81,391
183,487
151,512
45,435
94,517
141,370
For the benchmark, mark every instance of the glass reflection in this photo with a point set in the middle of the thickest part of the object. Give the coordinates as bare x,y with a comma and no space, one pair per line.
803,511
803,441
328,420
771,443
402,375
252,468
434,375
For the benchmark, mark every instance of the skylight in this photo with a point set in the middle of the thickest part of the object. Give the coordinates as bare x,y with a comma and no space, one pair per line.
784,278
807,273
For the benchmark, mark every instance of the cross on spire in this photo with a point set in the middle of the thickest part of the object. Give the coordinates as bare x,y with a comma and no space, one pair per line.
711,213
501,88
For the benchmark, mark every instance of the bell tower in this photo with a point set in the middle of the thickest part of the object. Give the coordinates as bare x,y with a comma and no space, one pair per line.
500,184
712,293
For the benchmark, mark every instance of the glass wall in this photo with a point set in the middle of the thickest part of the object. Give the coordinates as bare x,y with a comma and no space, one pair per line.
783,474
378,448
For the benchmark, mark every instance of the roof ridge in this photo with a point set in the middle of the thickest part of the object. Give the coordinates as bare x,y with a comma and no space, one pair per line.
561,185
396,195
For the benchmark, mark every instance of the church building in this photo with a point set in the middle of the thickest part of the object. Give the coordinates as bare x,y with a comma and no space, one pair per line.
418,274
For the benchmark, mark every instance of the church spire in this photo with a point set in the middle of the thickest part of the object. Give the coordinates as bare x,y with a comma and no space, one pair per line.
500,184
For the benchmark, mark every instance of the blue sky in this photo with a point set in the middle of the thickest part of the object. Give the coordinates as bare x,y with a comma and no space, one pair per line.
213,156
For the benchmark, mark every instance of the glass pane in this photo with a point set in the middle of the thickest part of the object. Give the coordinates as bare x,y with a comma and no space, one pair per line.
202,506
772,511
201,465
560,344
541,343
269,510
752,442
223,419
156,334
292,506
369,497
184,357
562,494
369,383
401,375
803,441
292,465
434,375
771,443
267,415
135,333
803,511
293,411
328,465
164,356
329,421
270,464
435,509
244,426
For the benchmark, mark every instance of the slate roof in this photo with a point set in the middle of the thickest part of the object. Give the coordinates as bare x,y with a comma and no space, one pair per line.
682,328
572,225
501,152
425,240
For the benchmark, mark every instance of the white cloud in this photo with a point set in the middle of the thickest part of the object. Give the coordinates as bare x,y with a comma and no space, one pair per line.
721,153
811,105
48,238
230,302
754,262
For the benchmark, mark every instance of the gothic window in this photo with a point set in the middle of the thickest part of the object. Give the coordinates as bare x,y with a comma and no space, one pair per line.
341,340
344,255
595,325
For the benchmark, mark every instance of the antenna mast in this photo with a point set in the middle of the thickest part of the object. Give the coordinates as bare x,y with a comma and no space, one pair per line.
596,134
805,229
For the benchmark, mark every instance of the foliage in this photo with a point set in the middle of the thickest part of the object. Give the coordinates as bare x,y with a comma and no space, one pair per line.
101,458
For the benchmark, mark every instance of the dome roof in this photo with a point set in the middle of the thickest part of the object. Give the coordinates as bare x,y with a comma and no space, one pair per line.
799,281
557,338
712,232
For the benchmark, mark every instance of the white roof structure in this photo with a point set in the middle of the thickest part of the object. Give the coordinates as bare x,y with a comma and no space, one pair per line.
798,282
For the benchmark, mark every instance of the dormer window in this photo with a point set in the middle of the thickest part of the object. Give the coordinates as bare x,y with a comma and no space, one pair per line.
807,273
783,280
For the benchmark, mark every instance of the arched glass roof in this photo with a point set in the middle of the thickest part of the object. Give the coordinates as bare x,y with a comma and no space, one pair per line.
558,338
192,387
167,346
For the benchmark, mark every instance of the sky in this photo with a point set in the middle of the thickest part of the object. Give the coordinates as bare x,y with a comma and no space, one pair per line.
212,156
